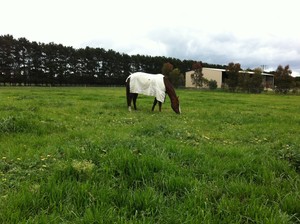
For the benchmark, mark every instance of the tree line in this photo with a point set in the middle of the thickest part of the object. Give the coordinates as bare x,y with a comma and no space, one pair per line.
249,81
252,82
23,62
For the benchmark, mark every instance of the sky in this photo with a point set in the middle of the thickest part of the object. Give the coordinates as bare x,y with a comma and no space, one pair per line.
254,33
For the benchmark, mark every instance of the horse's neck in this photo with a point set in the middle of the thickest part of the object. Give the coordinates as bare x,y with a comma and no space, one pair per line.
169,89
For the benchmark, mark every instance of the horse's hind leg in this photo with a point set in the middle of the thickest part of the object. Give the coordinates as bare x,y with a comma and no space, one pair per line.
134,96
128,96
131,97
129,103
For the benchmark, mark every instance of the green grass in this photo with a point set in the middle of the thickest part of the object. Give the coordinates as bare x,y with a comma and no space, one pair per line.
76,155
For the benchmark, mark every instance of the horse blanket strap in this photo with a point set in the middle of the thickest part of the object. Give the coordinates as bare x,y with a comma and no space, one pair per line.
148,84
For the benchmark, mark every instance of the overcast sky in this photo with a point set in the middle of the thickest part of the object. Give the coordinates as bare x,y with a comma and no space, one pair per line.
250,32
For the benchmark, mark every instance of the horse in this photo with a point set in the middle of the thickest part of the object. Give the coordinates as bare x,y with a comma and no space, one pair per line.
151,85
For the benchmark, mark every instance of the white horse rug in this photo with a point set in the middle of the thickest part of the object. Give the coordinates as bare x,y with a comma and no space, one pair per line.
148,84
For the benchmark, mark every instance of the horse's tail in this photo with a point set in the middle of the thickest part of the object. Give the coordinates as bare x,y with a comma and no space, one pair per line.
128,90
127,85
127,79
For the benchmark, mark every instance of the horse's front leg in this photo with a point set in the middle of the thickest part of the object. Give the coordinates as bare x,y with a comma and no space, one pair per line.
159,105
154,103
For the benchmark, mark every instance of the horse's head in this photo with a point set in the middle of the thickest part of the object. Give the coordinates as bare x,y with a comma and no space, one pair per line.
175,105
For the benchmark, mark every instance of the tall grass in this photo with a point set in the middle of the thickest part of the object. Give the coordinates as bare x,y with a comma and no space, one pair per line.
76,155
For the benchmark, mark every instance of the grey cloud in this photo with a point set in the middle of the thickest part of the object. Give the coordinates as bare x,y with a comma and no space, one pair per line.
222,48
215,48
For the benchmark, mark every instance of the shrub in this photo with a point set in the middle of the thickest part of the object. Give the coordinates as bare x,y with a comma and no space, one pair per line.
212,84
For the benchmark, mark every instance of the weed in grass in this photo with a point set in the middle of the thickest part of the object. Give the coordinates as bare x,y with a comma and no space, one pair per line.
12,124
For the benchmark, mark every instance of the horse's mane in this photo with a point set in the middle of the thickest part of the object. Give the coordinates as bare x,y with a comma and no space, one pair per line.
169,87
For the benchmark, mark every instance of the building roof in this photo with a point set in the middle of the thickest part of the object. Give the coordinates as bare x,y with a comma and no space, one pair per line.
243,71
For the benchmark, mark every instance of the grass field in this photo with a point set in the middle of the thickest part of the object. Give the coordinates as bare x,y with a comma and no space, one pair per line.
76,155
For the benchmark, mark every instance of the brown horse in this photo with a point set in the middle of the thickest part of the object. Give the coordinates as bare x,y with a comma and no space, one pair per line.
152,85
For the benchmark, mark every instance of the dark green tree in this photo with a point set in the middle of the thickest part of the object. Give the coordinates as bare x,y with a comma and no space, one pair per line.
36,64
23,46
251,82
7,59
297,84
283,79
255,84
233,76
